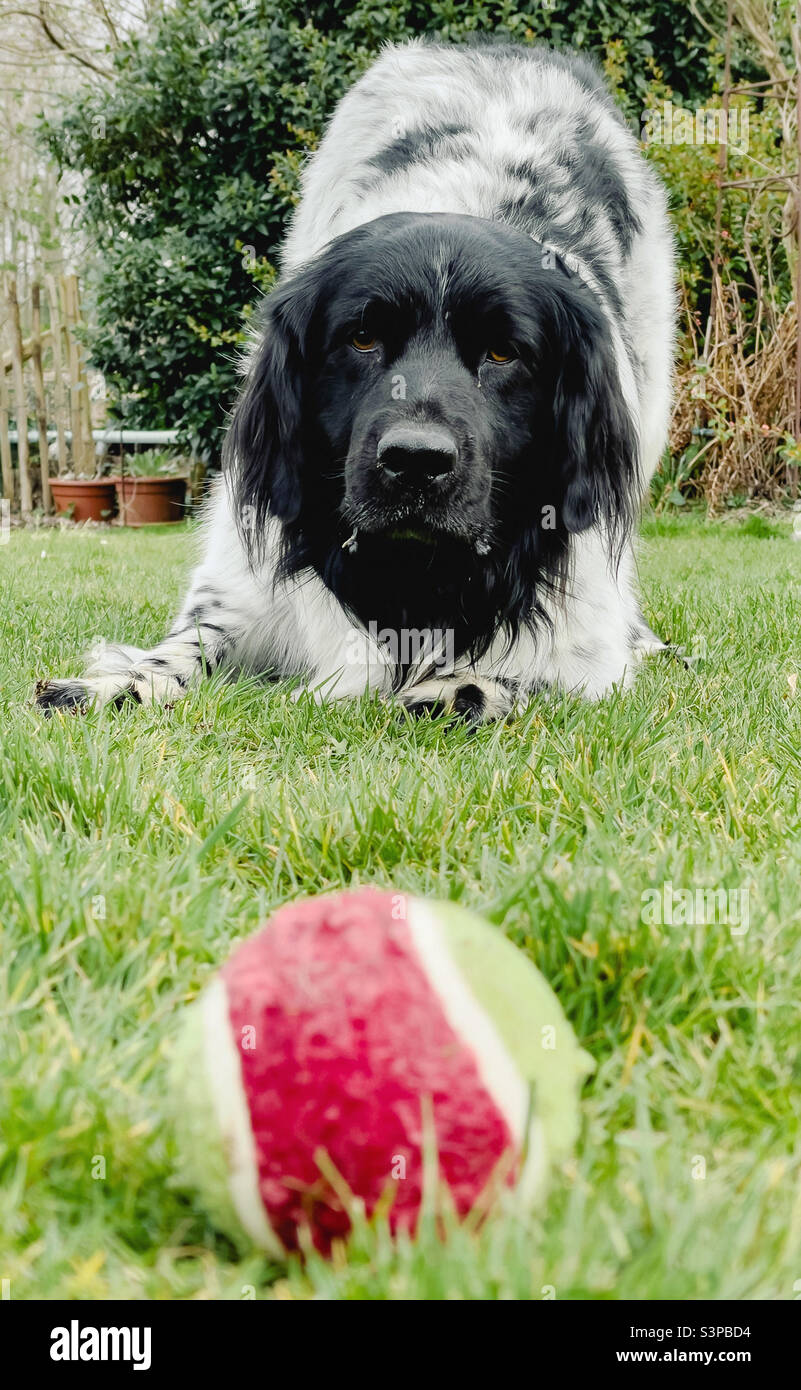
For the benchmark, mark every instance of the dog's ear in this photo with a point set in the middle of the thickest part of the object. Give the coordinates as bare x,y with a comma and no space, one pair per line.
596,437
263,450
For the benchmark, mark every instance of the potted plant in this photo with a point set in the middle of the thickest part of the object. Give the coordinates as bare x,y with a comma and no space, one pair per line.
83,499
151,487
83,493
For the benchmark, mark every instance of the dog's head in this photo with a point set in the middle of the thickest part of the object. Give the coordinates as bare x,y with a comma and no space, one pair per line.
435,403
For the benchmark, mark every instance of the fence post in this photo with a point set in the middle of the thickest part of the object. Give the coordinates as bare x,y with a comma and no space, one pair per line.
5,442
25,495
39,393
74,372
60,408
86,406
83,453
794,471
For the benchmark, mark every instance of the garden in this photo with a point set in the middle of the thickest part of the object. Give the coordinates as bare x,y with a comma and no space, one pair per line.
146,182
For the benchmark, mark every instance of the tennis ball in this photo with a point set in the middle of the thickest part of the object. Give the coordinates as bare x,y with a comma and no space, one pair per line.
349,1040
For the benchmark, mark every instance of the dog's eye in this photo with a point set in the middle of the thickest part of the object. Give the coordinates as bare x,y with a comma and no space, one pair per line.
362,341
502,352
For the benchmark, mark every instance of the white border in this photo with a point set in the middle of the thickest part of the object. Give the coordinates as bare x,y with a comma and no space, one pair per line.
224,1071
474,1026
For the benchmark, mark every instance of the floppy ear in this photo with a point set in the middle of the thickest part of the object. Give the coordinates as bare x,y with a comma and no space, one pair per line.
263,450
596,437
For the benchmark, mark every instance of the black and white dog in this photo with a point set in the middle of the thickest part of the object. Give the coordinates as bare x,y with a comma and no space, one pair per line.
459,394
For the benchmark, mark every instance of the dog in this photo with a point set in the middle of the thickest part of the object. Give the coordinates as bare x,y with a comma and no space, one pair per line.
452,408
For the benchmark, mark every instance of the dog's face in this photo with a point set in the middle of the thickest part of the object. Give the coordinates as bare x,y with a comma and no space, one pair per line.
434,386
427,388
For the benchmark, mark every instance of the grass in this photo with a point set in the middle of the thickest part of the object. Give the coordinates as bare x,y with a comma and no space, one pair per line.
138,847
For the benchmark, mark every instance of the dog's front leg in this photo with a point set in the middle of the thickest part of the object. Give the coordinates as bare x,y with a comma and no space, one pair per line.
210,631
467,695
117,673
347,661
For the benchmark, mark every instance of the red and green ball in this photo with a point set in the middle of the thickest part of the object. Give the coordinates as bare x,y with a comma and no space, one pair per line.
354,1025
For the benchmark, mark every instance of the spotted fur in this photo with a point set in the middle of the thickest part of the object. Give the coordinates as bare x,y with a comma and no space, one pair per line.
458,161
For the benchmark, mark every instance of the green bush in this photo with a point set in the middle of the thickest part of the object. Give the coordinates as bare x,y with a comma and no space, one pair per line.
752,250
190,161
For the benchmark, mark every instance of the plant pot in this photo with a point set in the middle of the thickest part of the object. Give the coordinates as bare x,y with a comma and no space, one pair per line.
87,499
150,501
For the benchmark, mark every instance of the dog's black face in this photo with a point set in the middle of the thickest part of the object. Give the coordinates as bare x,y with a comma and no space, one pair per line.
435,408
425,391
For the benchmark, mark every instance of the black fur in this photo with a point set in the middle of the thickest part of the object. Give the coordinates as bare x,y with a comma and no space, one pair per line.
414,146
548,431
69,695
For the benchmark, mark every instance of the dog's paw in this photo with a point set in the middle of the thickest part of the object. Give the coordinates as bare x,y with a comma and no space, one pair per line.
644,641
138,687
72,696
473,698
153,688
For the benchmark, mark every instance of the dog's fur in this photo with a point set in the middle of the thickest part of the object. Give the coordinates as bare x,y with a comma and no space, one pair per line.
465,202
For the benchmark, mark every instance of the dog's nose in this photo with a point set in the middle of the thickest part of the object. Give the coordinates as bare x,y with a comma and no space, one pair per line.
416,451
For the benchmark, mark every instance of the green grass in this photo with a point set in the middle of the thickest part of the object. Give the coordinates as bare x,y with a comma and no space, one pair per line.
136,848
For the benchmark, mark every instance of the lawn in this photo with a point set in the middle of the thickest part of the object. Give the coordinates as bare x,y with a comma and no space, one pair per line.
139,846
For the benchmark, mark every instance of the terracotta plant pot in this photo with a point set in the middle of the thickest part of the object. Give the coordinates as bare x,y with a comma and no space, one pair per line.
148,501
87,499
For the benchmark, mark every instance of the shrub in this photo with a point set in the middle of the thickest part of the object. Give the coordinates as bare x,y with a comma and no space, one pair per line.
191,160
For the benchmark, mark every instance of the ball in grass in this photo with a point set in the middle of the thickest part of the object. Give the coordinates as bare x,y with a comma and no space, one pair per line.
351,1041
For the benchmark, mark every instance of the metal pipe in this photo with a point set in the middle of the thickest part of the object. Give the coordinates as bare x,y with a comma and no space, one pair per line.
111,436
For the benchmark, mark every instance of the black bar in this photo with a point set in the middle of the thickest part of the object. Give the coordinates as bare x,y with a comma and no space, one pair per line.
621,1339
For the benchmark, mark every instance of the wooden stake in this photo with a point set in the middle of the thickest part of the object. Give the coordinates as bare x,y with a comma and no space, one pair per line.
39,393
723,156
5,442
25,495
794,471
59,402
84,404
75,380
